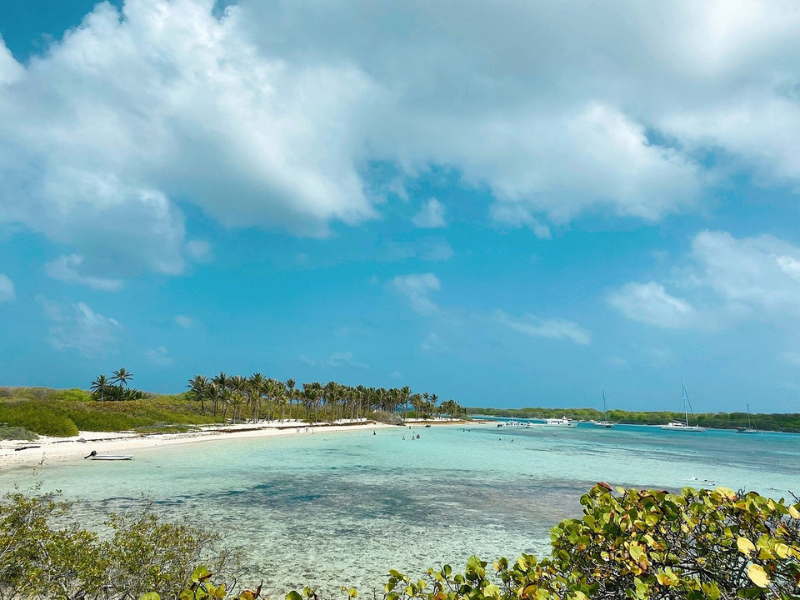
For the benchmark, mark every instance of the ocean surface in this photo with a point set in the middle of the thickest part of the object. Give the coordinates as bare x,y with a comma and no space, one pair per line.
333,509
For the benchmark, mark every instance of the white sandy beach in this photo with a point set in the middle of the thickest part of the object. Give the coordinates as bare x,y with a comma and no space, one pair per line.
21,453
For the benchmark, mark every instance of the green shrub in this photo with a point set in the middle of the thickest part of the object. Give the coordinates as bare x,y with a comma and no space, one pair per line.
16,433
42,558
38,417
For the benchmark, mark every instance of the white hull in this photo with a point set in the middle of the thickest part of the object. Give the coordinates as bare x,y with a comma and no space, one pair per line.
562,422
604,424
111,457
682,427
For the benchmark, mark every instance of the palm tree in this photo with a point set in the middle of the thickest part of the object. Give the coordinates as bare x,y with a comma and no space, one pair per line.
122,377
290,384
198,389
100,386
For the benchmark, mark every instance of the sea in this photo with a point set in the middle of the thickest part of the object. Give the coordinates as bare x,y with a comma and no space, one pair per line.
332,509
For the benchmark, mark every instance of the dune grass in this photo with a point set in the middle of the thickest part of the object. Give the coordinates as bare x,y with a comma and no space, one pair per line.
64,412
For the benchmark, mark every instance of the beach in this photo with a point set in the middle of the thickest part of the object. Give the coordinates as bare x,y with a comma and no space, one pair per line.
24,453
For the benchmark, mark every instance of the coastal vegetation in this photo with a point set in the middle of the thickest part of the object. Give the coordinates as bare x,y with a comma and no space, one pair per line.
111,405
786,422
696,544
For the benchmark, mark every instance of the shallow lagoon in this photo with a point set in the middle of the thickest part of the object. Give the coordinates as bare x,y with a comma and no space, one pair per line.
342,508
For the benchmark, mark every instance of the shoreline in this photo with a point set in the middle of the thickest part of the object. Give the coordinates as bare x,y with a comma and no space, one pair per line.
22,453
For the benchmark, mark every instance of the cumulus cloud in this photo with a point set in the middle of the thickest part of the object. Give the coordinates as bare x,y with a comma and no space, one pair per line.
184,321
792,358
650,303
159,356
344,359
417,288
554,329
726,279
6,289
270,113
335,360
431,216
65,268
81,329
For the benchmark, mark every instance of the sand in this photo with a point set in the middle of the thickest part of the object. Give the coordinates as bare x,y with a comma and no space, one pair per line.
21,453
24,453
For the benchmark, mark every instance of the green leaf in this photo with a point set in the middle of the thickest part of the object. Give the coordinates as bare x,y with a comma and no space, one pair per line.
293,595
150,596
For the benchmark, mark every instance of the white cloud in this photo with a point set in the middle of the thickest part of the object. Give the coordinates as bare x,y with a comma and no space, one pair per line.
184,321
6,289
336,360
198,249
267,115
726,280
650,303
344,359
159,356
417,288
431,216
82,329
65,268
616,362
762,273
517,215
433,344
792,358
554,329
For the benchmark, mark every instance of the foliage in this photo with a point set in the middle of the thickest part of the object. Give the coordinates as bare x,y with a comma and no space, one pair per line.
16,433
43,418
65,412
639,544
133,554
789,423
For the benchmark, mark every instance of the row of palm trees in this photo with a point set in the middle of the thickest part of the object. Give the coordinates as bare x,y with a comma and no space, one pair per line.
115,388
258,398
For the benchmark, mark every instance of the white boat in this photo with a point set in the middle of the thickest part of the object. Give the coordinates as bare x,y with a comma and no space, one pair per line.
605,424
95,456
562,422
750,425
677,425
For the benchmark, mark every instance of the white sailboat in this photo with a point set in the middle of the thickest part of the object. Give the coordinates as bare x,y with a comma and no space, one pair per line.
750,426
677,425
605,424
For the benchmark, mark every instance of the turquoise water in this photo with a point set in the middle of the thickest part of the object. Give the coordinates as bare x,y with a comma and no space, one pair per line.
334,509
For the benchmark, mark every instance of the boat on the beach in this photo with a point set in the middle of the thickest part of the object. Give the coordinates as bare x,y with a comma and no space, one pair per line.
604,423
562,422
678,425
751,428
95,456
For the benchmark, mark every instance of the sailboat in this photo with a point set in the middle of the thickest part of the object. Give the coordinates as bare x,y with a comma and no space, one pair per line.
750,426
604,423
678,425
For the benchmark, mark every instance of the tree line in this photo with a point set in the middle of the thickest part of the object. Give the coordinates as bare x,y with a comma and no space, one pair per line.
257,398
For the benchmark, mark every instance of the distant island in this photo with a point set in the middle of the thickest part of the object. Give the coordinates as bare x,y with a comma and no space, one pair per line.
782,422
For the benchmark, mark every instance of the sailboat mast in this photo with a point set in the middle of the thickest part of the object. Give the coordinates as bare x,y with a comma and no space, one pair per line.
604,406
684,397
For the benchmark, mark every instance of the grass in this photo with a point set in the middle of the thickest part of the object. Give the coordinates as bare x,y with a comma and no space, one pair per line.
16,433
63,413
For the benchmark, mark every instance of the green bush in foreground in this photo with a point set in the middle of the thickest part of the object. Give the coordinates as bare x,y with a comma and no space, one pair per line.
635,544
40,557
640,544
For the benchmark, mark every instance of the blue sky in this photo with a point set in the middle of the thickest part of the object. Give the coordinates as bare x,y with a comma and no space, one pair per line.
515,205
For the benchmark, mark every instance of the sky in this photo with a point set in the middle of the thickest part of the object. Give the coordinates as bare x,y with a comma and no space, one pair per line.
508,204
